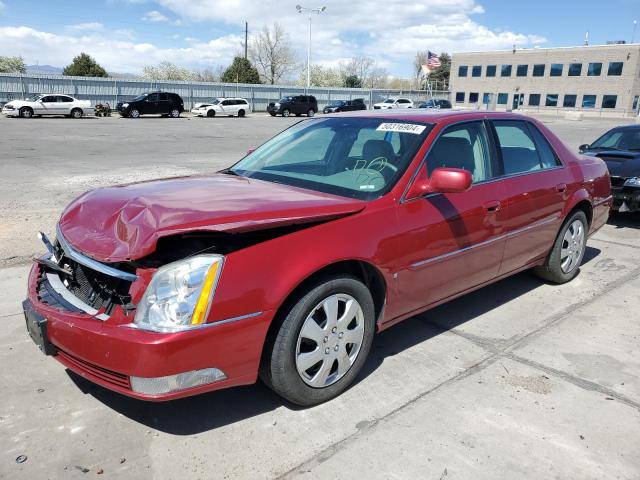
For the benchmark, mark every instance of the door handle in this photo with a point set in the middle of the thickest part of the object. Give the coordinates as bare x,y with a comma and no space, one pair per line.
561,187
492,206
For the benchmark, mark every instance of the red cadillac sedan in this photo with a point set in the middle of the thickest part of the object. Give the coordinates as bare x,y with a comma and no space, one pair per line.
285,265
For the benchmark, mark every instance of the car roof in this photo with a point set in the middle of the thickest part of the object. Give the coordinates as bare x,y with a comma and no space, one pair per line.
433,115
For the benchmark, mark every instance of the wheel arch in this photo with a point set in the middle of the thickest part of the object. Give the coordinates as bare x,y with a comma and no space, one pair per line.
580,200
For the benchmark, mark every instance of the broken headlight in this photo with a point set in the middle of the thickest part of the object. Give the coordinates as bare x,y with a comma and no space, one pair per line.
632,182
179,294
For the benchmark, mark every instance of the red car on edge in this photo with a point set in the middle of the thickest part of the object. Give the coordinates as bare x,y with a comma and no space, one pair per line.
285,265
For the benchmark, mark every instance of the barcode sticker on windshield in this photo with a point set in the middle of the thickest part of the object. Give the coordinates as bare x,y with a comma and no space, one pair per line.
401,128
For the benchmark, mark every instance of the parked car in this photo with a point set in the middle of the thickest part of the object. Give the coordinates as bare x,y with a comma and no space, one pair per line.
620,149
345,106
435,103
153,103
394,103
222,106
169,288
38,105
297,105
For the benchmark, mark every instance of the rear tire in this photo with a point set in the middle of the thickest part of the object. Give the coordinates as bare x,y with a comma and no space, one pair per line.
565,257
175,113
26,112
241,113
338,344
76,113
311,112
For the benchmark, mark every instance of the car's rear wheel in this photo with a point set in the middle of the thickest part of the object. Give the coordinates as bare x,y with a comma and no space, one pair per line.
286,113
26,112
311,113
563,262
211,113
241,113
76,113
175,113
134,113
322,342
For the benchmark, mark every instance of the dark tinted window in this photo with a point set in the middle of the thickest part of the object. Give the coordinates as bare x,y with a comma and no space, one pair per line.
594,69
49,99
226,103
505,71
473,97
548,158
522,70
312,98
556,70
463,146
460,97
152,97
609,101
519,153
538,70
588,101
491,70
551,100
64,98
615,69
534,99
502,98
569,100
476,71
575,69
462,70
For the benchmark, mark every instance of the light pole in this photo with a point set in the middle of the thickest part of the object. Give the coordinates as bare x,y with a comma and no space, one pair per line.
318,10
633,35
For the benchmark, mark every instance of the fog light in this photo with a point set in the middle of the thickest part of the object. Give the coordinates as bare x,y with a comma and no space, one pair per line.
174,383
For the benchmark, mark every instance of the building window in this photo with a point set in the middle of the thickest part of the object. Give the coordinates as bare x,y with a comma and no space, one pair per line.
505,71
569,101
459,97
551,100
534,99
462,70
575,69
556,70
588,101
491,70
615,69
473,97
502,98
521,70
538,70
594,69
476,71
486,98
635,102
609,101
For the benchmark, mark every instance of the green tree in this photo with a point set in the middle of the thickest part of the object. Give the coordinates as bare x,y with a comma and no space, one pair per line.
352,81
84,66
12,65
240,71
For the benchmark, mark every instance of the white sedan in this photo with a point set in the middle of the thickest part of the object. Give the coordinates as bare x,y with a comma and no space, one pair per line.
222,106
48,105
394,103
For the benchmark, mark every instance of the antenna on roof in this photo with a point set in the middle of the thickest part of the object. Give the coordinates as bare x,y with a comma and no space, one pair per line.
586,38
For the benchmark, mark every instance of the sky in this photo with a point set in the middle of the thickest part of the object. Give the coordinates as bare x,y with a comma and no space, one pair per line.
126,35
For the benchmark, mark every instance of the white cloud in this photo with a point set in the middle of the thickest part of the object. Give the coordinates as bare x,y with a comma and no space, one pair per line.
155,16
89,26
111,50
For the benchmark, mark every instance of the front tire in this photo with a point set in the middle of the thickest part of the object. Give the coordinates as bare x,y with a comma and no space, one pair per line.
286,113
134,113
322,343
26,112
563,262
211,113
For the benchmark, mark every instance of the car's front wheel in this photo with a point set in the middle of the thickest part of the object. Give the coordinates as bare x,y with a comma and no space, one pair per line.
211,113
286,113
26,112
322,342
134,113
563,262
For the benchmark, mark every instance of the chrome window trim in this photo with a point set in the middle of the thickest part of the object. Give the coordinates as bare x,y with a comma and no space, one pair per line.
76,256
504,236
61,289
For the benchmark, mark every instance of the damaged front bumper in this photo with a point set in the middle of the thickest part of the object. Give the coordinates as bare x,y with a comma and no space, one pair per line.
626,199
109,350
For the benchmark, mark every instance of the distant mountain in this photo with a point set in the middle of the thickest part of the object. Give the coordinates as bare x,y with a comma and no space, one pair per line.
44,69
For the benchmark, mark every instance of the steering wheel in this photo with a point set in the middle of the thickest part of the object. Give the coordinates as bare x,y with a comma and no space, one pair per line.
380,163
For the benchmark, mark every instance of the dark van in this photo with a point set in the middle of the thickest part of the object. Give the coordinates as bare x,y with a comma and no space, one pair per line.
154,103
296,105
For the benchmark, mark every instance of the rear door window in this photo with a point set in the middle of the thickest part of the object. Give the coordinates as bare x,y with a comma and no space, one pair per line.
518,149
548,157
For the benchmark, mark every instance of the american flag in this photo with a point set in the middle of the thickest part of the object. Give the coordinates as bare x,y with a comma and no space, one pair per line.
432,60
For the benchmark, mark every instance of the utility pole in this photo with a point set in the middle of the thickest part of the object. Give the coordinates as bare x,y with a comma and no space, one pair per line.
246,38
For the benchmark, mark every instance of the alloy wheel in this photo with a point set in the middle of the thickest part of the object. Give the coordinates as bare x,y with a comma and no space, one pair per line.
572,247
330,340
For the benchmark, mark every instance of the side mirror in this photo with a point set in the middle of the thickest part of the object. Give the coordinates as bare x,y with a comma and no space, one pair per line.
443,180
583,148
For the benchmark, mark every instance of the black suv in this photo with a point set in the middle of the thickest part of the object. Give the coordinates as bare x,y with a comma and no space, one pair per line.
163,103
296,105
435,103
345,106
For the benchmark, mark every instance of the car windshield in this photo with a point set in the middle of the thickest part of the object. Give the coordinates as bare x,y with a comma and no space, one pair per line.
353,157
389,100
215,101
140,97
619,139
336,103
33,98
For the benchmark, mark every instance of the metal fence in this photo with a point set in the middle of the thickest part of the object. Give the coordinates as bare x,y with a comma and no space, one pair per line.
112,90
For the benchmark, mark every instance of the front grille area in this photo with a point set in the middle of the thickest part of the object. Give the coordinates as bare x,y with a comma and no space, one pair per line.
617,181
108,376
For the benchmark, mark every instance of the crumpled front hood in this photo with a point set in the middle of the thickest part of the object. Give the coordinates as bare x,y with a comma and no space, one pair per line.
124,223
